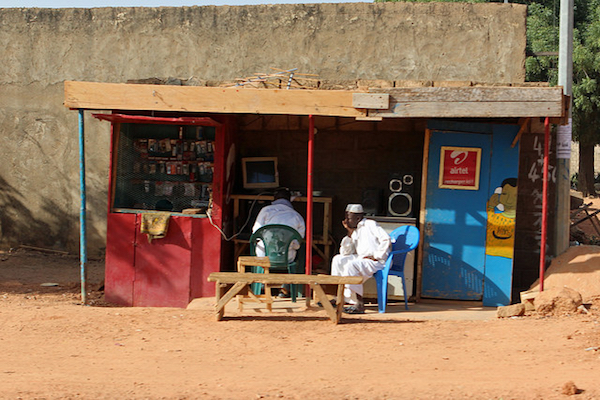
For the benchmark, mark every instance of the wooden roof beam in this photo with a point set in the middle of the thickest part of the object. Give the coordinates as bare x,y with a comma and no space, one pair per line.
413,102
472,102
118,96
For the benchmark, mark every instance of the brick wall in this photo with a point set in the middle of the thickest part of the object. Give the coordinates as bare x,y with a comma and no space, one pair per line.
350,156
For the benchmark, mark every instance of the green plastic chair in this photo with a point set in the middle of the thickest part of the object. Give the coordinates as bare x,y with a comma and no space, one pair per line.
277,239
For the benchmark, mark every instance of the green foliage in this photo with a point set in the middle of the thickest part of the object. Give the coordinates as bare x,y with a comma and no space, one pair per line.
586,73
542,36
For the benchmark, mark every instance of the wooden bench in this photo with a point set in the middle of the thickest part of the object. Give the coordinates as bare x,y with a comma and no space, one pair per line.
230,284
254,261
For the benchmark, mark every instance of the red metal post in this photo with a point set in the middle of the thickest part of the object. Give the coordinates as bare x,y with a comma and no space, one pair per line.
309,194
544,203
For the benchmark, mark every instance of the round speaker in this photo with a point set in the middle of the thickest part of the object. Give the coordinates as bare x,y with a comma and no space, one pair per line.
372,201
400,204
395,185
407,180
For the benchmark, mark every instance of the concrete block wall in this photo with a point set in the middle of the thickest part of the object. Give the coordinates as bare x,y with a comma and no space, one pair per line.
39,200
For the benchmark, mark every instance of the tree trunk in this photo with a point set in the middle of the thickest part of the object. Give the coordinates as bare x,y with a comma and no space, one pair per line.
585,182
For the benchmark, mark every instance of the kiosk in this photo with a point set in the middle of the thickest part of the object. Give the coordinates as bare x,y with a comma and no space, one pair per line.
165,202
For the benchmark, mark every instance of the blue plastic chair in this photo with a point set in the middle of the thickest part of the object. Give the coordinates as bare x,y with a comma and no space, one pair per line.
404,239
277,239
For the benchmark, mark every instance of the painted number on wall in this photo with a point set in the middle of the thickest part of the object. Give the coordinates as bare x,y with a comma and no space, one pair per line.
537,168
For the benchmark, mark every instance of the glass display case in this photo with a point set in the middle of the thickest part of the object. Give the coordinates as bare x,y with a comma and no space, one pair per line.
164,167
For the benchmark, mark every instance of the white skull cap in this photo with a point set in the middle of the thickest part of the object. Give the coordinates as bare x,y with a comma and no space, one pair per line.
355,208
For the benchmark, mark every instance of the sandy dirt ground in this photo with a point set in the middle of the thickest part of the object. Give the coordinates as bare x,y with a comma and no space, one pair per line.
53,347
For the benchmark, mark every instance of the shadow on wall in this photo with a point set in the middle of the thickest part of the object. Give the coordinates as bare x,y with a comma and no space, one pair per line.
52,229
447,277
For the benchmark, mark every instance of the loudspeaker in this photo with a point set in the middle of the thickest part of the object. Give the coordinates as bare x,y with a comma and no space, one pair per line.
400,200
372,201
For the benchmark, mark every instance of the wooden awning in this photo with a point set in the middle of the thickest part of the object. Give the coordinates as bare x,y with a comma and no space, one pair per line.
373,104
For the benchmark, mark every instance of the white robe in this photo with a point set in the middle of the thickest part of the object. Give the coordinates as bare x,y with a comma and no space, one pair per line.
280,212
368,240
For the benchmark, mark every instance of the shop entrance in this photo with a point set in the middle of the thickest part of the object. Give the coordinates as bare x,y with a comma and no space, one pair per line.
470,212
454,233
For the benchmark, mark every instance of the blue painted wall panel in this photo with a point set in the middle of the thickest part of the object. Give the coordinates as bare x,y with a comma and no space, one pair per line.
454,233
505,164
455,263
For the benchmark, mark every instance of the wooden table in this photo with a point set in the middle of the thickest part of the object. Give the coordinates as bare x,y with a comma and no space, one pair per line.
230,284
321,243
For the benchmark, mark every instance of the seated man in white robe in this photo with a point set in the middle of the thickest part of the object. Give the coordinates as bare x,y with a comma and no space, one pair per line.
282,212
362,253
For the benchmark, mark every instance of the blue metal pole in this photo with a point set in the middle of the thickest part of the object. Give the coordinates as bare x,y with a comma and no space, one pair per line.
82,211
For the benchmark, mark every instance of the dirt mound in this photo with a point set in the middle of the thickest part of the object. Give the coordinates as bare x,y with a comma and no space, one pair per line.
578,268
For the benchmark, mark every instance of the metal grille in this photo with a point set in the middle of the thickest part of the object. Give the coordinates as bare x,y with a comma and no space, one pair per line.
164,167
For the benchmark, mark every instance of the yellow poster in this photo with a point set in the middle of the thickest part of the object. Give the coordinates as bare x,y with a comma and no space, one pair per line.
501,213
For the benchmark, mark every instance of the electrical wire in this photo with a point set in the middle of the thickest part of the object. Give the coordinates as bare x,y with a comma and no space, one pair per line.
209,215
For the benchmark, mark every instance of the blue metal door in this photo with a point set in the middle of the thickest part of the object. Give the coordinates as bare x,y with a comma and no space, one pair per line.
454,233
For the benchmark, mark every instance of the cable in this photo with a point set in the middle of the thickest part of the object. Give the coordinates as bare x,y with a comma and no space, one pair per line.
209,215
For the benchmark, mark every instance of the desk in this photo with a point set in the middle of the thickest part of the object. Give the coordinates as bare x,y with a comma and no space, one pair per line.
230,284
321,243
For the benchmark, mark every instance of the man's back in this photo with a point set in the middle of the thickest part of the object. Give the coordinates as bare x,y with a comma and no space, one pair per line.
280,212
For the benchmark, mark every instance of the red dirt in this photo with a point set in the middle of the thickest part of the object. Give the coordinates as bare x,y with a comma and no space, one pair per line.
579,269
54,348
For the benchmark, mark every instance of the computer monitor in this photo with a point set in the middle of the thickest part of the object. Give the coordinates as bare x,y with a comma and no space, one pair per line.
260,172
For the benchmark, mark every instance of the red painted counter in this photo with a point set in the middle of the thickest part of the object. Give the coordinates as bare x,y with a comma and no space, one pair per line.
167,272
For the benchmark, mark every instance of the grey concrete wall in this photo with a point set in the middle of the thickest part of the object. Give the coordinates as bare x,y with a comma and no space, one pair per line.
41,48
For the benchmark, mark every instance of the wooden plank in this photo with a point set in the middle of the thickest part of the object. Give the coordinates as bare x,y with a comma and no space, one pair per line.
370,118
301,279
371,100
220,306
524,125
322,297
327,228
339,301
319,251
252,261
472,93
219,312
412,102
117,96
422,212
476,109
